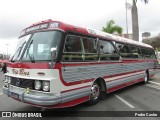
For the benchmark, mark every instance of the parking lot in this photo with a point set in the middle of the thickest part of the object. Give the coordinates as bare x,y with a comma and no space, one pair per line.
138,97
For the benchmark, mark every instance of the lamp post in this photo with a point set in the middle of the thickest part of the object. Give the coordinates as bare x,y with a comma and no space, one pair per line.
7,51
126,18
128,6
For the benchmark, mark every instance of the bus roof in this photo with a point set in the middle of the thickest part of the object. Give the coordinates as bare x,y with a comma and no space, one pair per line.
51,24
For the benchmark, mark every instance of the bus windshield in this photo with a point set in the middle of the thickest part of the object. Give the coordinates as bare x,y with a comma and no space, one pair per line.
40,45
20,46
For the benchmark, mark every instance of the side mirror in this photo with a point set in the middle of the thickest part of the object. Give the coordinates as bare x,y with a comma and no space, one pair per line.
53,53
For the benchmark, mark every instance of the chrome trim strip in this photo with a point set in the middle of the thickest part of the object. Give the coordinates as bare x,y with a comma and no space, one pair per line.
34,99
48,100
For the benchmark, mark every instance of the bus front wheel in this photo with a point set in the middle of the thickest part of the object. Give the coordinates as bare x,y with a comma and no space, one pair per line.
95,94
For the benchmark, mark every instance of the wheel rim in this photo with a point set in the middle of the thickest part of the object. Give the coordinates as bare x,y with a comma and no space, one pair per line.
145,77
95,91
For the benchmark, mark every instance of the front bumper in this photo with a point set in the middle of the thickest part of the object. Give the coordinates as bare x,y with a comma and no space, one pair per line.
40,100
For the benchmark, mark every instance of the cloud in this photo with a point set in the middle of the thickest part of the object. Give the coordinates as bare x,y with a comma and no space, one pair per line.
10,27
90,13
8,42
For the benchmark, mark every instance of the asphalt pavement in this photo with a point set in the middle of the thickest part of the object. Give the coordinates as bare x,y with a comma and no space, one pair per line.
138,97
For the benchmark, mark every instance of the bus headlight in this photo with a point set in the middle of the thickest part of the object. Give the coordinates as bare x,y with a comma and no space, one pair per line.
46,86
37,84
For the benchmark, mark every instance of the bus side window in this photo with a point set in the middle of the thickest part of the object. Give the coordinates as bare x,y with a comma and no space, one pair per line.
79,48
140,52
152,53
135,52
72,49
90,49
107,51
145,53
124,50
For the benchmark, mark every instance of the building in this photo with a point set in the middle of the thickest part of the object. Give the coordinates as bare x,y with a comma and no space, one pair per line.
129,36
146,35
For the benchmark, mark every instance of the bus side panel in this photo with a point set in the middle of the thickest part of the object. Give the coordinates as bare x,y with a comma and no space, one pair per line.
74,74
76,79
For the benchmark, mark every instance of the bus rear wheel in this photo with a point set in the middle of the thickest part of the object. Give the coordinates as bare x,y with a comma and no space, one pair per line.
146,77
95,94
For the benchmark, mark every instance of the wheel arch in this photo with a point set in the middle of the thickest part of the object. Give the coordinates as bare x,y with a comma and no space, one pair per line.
101,82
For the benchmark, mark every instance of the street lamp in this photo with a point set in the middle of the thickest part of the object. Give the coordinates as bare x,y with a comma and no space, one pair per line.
126,19
7,51
128,6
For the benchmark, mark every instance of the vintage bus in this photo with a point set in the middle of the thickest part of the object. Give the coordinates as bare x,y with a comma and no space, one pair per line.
58,65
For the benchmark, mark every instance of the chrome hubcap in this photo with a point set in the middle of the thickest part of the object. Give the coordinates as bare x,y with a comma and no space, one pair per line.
145,77
95,91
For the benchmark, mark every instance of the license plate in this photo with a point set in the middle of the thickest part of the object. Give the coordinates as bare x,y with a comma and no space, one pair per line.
15,95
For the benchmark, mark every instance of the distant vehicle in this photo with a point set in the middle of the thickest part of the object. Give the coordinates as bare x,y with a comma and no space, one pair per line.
2,62
60,65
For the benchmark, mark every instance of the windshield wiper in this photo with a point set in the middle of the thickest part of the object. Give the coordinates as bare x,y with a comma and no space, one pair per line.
15,54
19,49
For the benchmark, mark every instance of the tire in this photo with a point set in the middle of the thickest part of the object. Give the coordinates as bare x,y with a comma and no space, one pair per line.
146,78
95,94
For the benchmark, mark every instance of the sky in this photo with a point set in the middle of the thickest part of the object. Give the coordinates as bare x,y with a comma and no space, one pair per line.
15,15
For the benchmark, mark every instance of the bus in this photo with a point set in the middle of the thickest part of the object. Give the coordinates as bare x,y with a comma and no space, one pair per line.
57,65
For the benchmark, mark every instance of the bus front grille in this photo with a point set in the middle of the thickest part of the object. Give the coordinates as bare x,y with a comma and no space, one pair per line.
23,83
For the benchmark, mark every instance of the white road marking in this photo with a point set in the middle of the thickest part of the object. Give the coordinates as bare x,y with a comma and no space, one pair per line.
154,86
154,83
1,93
124,101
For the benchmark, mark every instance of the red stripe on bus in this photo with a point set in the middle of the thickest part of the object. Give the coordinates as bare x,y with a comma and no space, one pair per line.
122,77
72,103
98,63
124,85
45,65
26,65
116,75
75,89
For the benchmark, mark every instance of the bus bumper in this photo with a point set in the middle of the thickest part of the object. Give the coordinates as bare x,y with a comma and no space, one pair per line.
32,99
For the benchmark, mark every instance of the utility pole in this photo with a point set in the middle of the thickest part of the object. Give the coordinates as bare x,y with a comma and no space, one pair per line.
126,18
128,6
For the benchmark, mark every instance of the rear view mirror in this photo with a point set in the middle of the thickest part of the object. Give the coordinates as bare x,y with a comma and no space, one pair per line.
53,53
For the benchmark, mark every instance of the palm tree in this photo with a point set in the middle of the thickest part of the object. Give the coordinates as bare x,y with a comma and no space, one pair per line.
112,28
135,25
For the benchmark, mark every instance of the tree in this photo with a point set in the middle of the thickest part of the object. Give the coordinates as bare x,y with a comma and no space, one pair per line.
154,42
135,25
112,28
